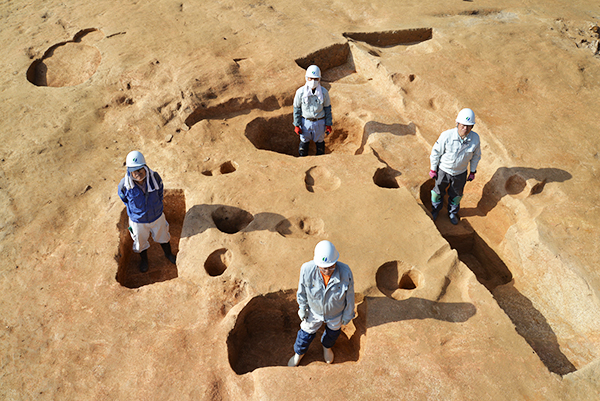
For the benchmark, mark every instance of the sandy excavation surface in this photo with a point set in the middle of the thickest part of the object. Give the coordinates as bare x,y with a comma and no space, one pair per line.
504,306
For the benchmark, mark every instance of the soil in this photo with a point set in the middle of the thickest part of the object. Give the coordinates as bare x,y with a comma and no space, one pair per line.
503,306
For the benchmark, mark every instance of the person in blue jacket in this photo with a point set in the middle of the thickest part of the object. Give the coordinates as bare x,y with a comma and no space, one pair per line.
142,192
312,112
325,295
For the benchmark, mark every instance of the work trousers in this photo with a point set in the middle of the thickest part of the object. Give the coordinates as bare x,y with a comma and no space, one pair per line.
455,185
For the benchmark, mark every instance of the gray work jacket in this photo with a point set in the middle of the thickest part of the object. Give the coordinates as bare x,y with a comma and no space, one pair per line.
337,299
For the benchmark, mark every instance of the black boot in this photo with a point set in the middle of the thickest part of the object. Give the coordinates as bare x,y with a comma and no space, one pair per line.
167,250
143,266
303,149
320,148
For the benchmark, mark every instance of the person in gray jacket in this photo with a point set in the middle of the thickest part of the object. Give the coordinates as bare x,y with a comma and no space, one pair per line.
450,157
312,112
325,295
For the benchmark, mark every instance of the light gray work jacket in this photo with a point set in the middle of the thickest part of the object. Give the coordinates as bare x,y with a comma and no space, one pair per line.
337,299
452,154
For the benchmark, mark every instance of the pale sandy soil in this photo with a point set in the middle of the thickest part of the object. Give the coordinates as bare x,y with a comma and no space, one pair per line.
503,306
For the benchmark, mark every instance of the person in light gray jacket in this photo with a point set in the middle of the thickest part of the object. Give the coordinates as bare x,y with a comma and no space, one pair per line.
312,112
450,157
325,295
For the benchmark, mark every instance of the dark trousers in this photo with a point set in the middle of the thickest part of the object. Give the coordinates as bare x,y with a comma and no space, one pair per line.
455,185
303,339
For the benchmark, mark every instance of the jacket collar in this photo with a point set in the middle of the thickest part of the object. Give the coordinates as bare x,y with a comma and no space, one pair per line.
335,277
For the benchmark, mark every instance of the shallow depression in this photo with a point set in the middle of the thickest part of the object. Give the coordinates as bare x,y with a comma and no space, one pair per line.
321,179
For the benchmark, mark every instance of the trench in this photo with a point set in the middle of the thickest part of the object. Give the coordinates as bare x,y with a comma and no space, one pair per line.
160,269
492,272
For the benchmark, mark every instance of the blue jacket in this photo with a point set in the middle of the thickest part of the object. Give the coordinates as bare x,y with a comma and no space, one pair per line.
142,207
331,302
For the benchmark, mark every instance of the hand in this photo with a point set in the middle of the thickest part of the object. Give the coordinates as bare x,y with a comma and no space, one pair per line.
328,129
303,313
298,130
433,174
346,322
471,177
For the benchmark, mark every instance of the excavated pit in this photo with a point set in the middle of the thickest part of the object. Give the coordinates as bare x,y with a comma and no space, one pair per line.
392,38
265,331
66,64
231,220
217,262
160,269
385,177
397,279
275,134
225,168
326,58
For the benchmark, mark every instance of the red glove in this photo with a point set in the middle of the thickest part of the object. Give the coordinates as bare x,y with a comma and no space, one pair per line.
471,177
298,130
328,129
432,174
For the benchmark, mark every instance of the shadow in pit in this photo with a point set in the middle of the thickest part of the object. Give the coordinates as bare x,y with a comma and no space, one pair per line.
372,127
326,58
492,272
392,38
227,219
160,269
265,332
232,108
516,182
275,134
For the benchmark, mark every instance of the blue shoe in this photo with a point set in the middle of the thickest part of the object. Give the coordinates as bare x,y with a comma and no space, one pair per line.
453,219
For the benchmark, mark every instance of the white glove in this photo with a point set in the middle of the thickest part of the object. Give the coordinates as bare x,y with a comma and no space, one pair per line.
303,313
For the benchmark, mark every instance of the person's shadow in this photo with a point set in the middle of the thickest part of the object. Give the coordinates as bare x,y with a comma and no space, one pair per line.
385,310
514,181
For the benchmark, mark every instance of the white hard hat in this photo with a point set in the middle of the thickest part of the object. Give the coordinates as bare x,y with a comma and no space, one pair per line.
313,72
135,160
325,254
466,117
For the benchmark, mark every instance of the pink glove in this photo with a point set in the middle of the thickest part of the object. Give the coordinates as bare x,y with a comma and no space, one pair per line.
298,130
328,129
432,174
471,177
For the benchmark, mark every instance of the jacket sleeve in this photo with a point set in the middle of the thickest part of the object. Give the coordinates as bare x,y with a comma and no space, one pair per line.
439,147
301,294
348,313
121,191
328,117
476,157
298,108
161,188
297,116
